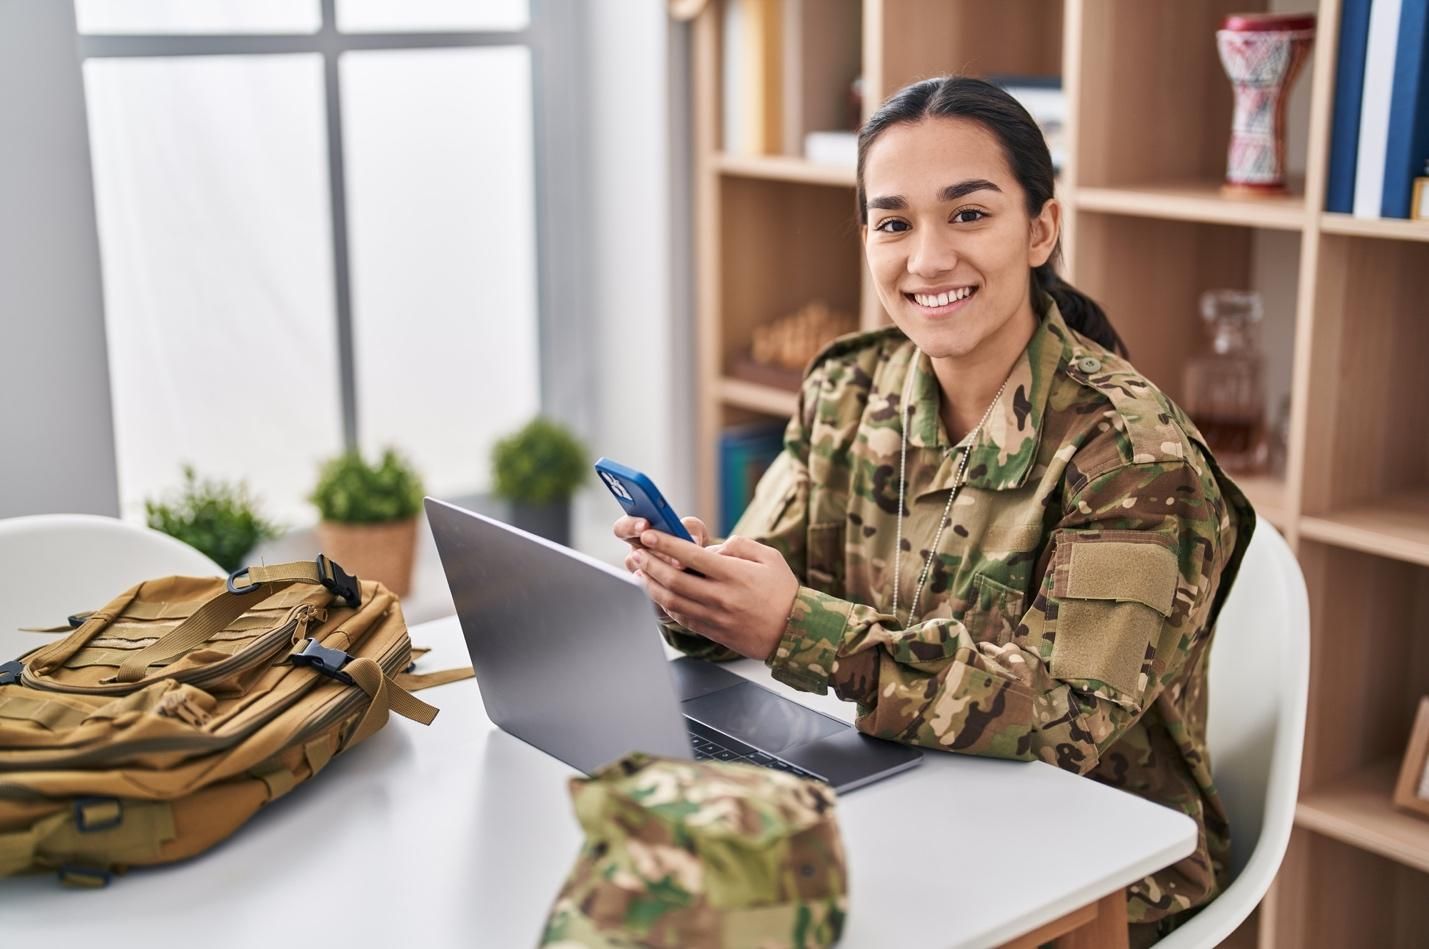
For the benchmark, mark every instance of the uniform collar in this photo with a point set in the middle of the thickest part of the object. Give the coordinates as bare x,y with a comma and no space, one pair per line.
1006,448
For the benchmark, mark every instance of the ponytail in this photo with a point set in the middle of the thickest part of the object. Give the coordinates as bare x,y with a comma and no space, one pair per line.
1079,311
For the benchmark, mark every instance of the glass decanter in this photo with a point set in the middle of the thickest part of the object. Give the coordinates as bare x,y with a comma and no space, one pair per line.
1225,392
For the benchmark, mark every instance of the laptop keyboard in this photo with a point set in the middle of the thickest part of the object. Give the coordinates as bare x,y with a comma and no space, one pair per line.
710,745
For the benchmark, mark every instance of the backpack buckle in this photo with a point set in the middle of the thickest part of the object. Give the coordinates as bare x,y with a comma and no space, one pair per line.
240,590
327,661
97,813
339,581
10,672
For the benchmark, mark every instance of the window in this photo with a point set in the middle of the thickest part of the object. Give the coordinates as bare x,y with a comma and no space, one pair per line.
313,235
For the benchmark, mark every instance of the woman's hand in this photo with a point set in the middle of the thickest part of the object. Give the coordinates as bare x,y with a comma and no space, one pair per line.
630,528
742,600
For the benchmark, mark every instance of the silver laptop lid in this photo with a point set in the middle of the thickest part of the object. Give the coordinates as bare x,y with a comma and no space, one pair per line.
567,649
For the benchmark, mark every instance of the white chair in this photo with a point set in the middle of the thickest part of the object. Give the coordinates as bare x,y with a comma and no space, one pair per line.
1259,676
52,565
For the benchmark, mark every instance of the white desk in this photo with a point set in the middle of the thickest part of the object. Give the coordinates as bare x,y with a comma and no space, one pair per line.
460,835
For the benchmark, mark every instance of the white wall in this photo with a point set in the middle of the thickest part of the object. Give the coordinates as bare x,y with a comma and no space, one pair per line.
56,431
638,289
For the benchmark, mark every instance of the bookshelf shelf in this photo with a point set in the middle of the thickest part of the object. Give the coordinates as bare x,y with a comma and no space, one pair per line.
1396,527
1356,810
1374,227
1266,494
1197,201
768,400
784,168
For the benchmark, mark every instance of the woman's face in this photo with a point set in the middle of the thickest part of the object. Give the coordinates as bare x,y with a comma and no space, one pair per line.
948,239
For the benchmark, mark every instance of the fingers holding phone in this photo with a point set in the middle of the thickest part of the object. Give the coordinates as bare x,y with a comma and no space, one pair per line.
629,529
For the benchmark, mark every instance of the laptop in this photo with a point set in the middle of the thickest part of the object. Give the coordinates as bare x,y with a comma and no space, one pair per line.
568,654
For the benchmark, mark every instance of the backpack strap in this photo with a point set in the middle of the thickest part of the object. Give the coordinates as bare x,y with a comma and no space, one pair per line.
218,612
417,681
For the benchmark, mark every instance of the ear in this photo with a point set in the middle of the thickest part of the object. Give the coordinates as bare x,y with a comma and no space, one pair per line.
1042,235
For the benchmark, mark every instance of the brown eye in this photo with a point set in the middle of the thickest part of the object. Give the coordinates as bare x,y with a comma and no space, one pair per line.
963,216
892,226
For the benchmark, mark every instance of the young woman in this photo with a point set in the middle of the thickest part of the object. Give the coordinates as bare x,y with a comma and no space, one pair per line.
986,528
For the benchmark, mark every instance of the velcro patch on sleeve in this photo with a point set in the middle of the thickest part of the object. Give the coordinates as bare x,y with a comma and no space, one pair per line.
1118,570
1113,597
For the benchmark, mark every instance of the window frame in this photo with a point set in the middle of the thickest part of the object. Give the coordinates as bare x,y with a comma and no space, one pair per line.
558,140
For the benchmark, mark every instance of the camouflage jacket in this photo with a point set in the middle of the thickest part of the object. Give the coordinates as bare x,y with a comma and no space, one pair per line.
1070,607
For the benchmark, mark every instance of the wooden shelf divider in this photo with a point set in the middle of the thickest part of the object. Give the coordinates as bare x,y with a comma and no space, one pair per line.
1357,810
1374,227
784,168
1396,526
1196,201
757,398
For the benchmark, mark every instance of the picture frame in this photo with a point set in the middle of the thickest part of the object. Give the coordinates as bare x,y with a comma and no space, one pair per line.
1411,791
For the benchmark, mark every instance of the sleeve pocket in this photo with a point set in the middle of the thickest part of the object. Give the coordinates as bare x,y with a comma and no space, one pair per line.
1113,596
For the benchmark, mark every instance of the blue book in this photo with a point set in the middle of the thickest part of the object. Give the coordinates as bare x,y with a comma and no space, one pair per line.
1407,146
1345,121
744,454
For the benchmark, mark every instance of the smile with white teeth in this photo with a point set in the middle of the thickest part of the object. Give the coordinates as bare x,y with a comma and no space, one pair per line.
942,299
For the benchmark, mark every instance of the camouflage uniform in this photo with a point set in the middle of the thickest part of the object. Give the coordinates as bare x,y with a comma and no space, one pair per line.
1069,611
701,853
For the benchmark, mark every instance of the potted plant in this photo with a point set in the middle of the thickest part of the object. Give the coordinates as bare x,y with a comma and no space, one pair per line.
536,470
218,518
369,516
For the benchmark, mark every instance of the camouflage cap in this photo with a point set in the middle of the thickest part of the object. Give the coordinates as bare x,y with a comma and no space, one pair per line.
707,853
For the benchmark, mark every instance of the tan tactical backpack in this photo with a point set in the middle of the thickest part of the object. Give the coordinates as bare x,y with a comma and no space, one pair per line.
169,716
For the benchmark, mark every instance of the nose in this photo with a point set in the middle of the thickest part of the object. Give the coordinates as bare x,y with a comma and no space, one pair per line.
932,253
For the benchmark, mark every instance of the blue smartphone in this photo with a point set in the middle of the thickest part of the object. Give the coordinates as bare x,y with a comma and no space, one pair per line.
640,498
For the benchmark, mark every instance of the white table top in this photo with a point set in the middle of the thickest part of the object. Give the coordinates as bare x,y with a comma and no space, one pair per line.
460,835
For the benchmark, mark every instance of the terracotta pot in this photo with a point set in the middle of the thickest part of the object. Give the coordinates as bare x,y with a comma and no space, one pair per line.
381,552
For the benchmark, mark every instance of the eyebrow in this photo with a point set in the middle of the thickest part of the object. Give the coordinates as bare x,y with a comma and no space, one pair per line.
896,202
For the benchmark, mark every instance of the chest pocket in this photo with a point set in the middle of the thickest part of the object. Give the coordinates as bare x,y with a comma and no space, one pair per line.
825,565
994,610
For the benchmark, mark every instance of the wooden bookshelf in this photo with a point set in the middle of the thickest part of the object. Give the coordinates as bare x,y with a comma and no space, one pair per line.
1147,229
1356,810
1369,227
1197,201
783,168
758,398
1396,526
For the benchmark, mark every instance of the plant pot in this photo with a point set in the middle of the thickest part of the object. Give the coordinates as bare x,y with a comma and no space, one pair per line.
551,521
381,552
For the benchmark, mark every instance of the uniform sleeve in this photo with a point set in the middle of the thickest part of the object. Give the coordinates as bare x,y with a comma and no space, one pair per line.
777,516
1132,569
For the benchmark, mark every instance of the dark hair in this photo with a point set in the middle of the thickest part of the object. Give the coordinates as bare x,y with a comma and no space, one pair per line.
1026,152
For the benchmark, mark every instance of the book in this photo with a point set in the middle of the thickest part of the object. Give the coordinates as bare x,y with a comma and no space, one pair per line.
1345,119
1407,142
745,453
832,148
1380,52
752,77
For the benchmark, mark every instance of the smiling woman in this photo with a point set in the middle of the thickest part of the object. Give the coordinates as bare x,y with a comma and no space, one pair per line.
986,528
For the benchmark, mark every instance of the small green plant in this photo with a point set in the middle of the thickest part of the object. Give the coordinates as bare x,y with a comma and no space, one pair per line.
351,491
217,517
539,464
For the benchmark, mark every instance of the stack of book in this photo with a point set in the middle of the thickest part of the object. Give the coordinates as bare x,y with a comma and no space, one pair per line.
1379,134
745,452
